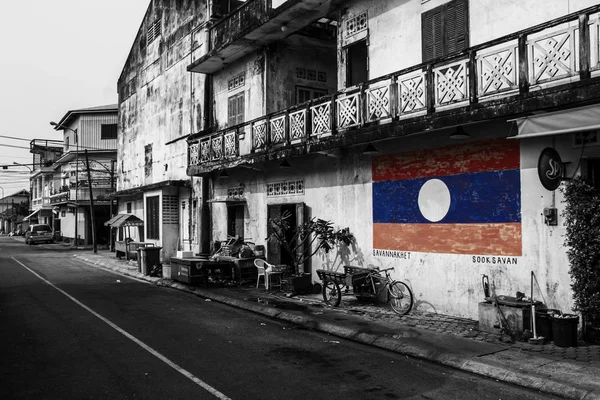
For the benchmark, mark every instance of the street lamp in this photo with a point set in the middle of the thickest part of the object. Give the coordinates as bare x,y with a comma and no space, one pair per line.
76,174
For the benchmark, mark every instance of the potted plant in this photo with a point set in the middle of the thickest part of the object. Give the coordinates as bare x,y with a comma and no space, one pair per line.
582,238
304,241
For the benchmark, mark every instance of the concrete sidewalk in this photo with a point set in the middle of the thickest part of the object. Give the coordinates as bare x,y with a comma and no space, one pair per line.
572,372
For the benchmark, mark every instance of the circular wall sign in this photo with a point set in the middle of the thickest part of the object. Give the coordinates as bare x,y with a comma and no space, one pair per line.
550,168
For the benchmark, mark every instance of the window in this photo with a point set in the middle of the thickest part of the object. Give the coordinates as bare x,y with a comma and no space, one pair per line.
108,131
235,109
357,63
591,172
129,208
148,159
67,143
445,29
153,31
307,93
153,217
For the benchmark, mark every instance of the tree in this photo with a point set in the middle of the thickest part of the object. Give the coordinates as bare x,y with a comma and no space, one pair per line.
305,240
582,222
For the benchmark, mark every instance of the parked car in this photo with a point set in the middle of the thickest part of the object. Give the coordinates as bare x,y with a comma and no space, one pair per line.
39,233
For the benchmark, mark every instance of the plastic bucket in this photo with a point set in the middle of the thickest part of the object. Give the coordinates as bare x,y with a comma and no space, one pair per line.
564,330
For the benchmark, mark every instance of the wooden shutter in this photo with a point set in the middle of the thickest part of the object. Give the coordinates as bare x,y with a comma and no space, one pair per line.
231,111
431,33
240,108
445,29
457,26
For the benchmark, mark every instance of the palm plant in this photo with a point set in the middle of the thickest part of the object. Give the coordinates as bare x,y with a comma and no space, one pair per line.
305,240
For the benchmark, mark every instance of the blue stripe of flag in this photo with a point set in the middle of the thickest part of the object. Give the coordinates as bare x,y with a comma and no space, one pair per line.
482,197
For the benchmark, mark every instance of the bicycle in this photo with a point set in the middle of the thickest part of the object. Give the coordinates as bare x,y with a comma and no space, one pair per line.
367,284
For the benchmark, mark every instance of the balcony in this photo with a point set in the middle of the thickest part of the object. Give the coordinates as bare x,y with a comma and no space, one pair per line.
81,195
254,25
556,64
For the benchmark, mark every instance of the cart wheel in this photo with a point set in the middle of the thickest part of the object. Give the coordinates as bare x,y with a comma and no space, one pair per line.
401,298
331,293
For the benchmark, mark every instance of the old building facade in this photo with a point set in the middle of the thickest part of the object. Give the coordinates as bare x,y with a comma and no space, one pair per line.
13,208
462,106
159,105
74,186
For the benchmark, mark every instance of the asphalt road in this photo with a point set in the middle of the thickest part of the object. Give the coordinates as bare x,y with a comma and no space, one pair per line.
71,331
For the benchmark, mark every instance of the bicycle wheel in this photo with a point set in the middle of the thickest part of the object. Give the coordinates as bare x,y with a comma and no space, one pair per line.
401,298
331,293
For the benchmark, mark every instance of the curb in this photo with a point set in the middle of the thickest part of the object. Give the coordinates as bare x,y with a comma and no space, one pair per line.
473,365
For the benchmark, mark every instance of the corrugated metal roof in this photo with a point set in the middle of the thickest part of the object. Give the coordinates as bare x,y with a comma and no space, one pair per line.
124,220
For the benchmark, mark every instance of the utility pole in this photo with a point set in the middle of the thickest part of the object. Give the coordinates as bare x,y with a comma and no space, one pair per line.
89,176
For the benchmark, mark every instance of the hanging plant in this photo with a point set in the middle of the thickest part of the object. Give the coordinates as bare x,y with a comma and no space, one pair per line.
582,238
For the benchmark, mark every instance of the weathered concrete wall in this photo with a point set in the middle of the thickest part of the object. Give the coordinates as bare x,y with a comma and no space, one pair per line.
286,58
252,68
341,190
275,89
395,26
158,99
160,103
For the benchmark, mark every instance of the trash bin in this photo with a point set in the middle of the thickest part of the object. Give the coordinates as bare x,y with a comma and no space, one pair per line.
564,330
543,322
148,257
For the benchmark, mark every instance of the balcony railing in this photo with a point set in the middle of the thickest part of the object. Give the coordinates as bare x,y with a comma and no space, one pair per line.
562,51
249,16
83,194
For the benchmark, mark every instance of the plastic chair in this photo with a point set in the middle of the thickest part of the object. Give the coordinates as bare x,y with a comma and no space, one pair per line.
266,271
261,272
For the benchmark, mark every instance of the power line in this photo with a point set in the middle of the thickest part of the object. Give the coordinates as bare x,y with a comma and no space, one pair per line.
16,138
15,147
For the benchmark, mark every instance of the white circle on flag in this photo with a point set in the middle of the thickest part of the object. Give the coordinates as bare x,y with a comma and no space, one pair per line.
434,200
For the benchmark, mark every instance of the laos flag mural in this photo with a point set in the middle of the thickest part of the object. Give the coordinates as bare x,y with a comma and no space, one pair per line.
463,199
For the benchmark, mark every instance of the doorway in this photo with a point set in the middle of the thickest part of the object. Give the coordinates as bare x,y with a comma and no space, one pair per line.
276,254
235,221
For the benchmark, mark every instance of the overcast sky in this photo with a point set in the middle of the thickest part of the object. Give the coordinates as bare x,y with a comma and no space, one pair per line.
56,56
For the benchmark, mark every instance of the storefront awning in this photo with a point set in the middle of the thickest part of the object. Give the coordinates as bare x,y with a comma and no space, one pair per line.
32,214
230,200
580,119
121,220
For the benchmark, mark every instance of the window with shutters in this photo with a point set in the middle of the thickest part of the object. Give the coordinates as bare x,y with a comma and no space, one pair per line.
304,93
235,109
153,217
445,29
153,32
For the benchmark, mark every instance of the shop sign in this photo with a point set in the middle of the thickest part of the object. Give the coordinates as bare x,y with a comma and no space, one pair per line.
550,168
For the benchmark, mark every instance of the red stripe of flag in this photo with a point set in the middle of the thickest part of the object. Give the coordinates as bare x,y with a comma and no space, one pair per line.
484,239
488,155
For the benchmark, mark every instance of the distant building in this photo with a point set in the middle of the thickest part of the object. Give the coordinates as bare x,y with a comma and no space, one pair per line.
13,208
85,157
